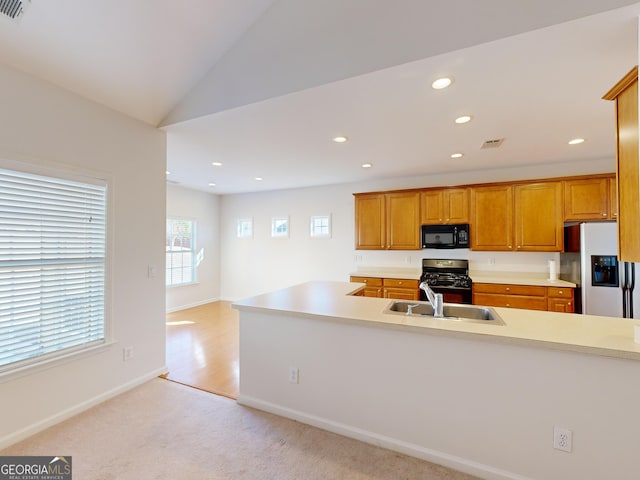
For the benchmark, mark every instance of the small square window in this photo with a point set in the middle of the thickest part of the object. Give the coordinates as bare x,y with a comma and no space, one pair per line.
320,226
244,228
280,227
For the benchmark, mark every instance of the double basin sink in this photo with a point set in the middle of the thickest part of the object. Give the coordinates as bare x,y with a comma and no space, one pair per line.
451,311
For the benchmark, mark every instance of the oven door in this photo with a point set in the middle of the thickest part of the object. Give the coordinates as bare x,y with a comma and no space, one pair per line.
451,294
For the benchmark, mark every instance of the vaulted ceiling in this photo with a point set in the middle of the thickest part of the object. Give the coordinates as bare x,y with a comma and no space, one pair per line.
262,86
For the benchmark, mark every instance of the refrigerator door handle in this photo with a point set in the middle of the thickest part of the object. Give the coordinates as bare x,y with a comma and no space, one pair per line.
628,284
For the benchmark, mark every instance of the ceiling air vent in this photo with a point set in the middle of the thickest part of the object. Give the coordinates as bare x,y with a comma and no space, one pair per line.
495,143
14,9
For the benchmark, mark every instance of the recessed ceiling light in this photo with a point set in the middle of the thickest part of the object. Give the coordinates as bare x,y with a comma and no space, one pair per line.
463,119
259,179
216,164
441,83
576,141
340,139
212,184
367,165
457,155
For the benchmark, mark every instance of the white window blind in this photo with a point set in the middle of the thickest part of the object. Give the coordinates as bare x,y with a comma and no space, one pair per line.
52,267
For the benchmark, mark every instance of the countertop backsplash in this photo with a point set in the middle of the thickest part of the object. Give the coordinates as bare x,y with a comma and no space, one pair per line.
535,264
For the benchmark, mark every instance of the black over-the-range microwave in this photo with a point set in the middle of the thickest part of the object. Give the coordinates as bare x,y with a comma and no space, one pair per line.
445,236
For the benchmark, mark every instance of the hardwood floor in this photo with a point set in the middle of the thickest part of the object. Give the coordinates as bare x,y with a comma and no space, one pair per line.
202,348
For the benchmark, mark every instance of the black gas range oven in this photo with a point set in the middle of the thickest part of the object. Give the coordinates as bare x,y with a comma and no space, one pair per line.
448,277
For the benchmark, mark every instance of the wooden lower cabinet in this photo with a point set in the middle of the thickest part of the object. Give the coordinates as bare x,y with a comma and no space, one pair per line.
523,296
560,300
373,288
398,288
401,289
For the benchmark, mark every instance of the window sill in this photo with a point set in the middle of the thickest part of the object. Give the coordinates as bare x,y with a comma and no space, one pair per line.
53,362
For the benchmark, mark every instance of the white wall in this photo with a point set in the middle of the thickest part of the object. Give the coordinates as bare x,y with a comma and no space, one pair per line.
44,125
261,264
202,207
481,406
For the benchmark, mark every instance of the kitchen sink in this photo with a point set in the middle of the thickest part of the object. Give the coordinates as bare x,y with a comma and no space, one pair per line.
451,311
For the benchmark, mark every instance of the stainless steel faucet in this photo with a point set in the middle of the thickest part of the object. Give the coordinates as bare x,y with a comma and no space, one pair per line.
435,299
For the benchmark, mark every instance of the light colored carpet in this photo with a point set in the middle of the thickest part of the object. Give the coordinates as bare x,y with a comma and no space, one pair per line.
164,430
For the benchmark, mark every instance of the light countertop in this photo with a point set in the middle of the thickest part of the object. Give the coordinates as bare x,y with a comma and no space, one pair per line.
332,301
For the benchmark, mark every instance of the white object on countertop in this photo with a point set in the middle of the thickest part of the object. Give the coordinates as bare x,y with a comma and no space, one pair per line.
636,333
553,271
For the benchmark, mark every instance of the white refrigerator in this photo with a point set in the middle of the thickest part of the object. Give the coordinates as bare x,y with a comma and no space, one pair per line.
605,286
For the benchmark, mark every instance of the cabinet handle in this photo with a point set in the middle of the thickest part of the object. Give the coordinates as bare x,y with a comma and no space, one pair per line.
519,247
510,247
604,214
508,289
508,305
365,280
568,304
399,283
559,292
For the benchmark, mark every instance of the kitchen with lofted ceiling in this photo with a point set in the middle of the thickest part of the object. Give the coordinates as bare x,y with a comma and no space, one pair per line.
320,162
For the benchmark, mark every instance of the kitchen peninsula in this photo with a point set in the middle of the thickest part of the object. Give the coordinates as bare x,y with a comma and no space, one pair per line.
483,399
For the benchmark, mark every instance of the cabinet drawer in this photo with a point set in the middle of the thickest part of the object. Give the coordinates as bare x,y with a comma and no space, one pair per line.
560,292
508,289
370,281
401,283
510,301
402,293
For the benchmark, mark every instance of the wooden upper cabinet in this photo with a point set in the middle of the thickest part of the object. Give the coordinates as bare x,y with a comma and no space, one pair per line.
526,217
440,206
370,222
613,198
403,221
625,94
586,199
492,218
539,226
590,199
388,221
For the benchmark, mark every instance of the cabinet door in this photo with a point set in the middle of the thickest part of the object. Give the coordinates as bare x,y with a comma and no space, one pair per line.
625,94
538,217
431,207
560,305
586,199
403,289
560,300
370,222
403,221
443,206
456,202
613,198
492,218
373,288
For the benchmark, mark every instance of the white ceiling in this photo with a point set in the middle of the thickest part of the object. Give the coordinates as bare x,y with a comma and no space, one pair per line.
263,85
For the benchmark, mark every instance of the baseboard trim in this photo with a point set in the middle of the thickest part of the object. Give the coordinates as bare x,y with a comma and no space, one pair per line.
434,456
26,432
192,305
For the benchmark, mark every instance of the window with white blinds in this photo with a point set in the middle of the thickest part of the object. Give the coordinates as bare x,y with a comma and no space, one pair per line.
52,267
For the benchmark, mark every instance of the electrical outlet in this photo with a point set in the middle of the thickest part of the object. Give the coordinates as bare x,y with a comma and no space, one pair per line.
562,439
127,353
294,375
